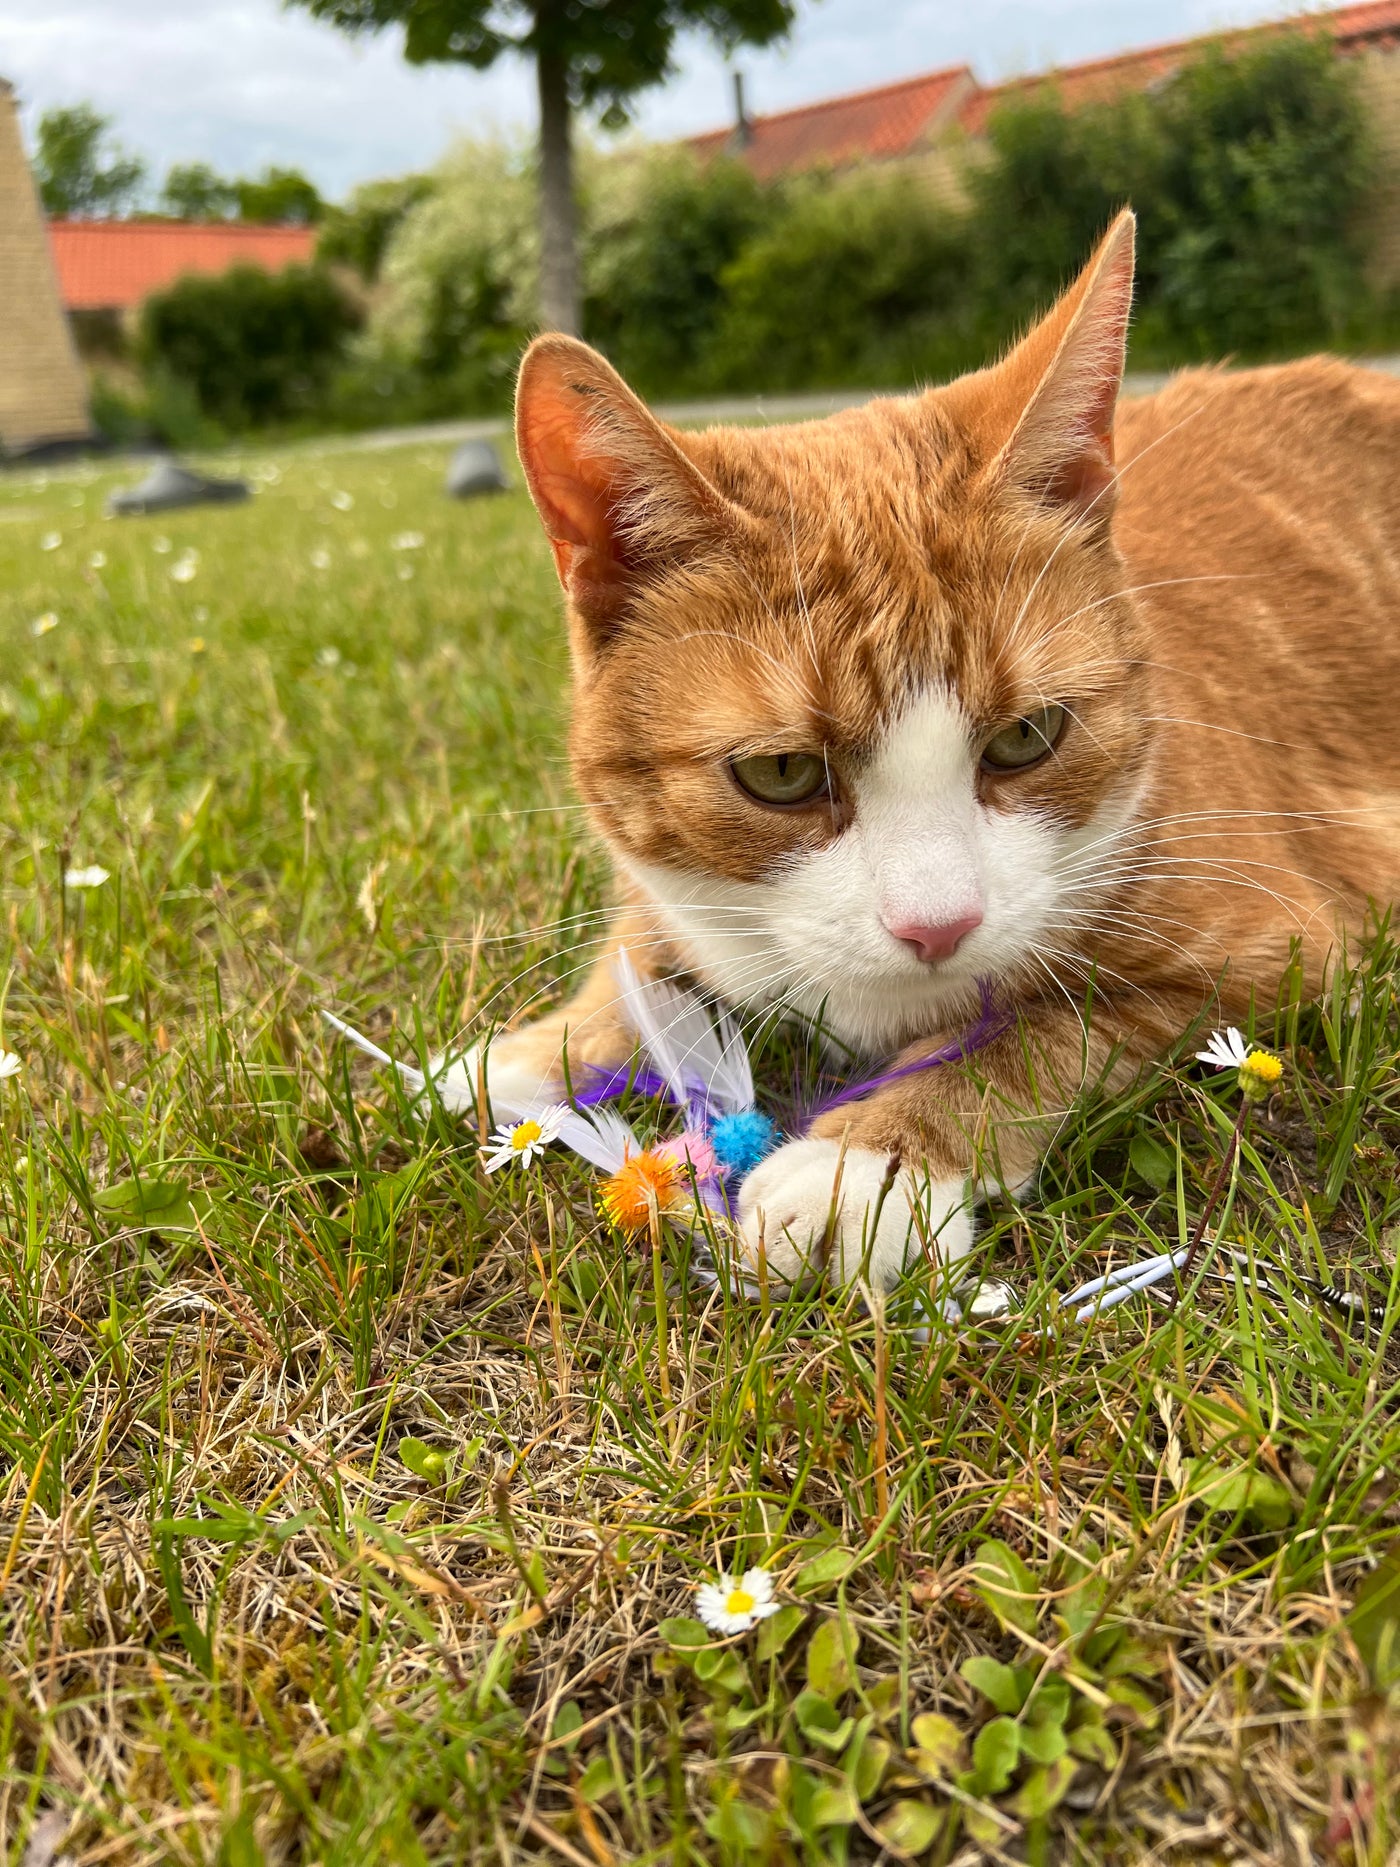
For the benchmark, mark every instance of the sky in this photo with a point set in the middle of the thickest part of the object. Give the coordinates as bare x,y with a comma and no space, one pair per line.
243,84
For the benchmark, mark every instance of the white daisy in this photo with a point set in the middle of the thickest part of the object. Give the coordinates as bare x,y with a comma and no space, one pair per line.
342,501
41,625
730,1607
320,558
10,1065
405,573
97,561
519,1144
1227,1050
92,877
160,545
406,541
329,656
51,541
186,567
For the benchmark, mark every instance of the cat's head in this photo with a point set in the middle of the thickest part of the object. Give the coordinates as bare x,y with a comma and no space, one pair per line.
854,701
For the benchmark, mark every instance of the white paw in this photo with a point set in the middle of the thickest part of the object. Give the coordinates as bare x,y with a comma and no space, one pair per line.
513,1080
785,1215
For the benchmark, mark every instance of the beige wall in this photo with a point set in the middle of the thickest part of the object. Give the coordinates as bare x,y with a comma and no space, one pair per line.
43,393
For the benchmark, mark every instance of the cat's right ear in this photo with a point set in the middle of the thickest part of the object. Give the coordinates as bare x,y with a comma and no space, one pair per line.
616,495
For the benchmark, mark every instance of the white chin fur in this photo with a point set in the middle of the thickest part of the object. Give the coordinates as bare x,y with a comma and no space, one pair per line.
785,1216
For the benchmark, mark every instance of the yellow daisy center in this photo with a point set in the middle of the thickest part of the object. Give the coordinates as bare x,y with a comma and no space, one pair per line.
524,1135
739,1601
1262,1066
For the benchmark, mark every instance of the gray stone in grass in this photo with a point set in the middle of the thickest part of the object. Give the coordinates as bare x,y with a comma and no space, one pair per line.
475,468
168,486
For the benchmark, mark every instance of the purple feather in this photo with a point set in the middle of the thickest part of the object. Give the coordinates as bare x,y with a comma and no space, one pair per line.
593,1085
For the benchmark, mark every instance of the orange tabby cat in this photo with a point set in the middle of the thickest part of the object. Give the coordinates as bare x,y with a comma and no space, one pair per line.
933,697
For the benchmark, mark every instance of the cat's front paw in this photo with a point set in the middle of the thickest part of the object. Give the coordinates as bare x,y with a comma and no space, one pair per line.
520,1071
786,1215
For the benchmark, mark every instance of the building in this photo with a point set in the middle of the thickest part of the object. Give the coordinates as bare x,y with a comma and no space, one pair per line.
892,122
940,121
43,392
108,268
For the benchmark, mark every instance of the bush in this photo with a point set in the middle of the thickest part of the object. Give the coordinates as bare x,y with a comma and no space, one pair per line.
1248,174
862,280
662,230
252,347
458,282
1262,166
359,233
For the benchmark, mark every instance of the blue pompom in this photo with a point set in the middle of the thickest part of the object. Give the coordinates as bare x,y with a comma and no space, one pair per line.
742,1139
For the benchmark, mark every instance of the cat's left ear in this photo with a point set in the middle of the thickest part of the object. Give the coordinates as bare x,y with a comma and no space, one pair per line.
1057,390
617,496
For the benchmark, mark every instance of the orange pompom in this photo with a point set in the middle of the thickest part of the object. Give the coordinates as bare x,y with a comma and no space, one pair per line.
626,1197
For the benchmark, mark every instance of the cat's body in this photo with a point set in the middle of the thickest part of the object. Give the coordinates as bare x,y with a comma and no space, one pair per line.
880,713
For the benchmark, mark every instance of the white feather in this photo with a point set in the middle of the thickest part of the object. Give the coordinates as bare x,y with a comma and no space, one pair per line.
731,1084
601,1136
681,1041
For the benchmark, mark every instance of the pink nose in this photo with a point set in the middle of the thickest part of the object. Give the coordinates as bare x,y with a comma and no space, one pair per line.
940,942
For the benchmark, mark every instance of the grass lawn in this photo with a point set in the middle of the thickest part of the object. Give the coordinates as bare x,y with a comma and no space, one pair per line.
352,1504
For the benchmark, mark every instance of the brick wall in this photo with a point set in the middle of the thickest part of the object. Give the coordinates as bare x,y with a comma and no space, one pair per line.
43,394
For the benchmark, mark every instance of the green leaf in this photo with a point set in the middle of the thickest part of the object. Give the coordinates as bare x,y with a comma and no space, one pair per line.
777,1630
738,1825
910,1827
823,1572
722,1670
683,1632
1092,1743
159,1205
866,1765
820,1722
995,1752
1374,1621
1044,1790
1130,1695
597,1780
833,1805
424,1461
1051,1703
1043,1743
1240,1491
1152,1162
831,1655
1006,1585
996,1682
939,1743
567,1721
1078,1607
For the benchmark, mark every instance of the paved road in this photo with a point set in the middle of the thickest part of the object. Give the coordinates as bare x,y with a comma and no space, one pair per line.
732,408
491,427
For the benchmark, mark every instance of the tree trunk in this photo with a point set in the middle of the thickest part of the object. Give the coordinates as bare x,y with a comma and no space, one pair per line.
559,306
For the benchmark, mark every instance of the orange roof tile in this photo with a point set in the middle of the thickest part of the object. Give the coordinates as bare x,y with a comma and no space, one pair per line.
115,264
891,120
1353,29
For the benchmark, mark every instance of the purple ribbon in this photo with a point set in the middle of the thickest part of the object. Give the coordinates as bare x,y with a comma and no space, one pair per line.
992,1022
593,1085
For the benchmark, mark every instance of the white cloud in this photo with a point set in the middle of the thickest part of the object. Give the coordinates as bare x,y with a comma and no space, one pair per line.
243,83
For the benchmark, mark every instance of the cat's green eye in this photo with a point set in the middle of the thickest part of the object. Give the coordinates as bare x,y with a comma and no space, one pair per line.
1025,743
782,778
